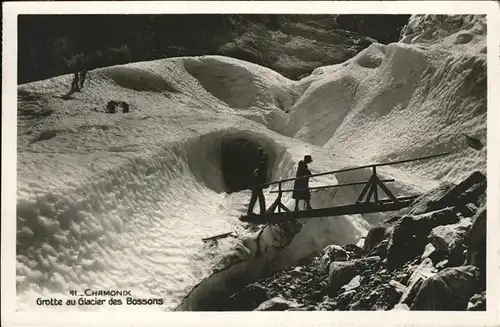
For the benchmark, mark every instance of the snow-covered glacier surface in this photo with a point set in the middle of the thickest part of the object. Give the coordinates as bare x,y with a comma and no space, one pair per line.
404,100
122,201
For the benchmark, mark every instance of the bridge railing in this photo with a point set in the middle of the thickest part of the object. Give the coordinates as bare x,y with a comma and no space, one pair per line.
350,169
370,190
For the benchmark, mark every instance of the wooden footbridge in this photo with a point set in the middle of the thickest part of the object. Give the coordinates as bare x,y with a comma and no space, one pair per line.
368,201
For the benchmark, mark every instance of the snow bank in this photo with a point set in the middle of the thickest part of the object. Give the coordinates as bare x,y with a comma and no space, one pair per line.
259,93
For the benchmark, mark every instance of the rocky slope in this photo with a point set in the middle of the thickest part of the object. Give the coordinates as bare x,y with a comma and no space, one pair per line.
289,44
296,45
430,256
465,33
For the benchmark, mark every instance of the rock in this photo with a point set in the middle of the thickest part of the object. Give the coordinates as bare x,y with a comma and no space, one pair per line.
476,244
379,250
452,240
401,307
353,251
248,298
450,195
361,243
403,277
468,191
400,288
341,272
421,272
331,253
429,201
442,264
344,299
428,251
353,284
316,296
365,302
276,304
450,289
296,47
376,26
477,302
378,233
409,236
297,272
328,305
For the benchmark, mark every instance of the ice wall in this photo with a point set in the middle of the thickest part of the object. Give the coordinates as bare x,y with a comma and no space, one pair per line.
403,100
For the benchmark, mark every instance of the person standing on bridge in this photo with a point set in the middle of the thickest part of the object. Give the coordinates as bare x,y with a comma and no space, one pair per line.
301,186
259,177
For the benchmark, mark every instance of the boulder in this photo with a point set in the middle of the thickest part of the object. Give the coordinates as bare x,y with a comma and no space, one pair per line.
468,191
452,240
329,254
353,251
378,233
450,289
397,286
276,304
436,255
342,272
476,244
421,272
449,195
477,302
353,284
409,237
361,243
401,307
248,298
428,251
429,201
345,299
380,249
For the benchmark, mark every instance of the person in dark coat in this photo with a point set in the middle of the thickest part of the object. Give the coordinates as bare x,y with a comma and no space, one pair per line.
259,177
83,76
301,186
75,83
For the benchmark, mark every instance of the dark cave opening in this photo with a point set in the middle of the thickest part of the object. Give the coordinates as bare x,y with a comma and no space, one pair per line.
239,158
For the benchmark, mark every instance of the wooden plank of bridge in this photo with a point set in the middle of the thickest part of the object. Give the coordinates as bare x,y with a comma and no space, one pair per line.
358,208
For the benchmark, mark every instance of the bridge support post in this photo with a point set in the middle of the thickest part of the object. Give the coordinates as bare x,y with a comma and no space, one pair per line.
277,203
371,189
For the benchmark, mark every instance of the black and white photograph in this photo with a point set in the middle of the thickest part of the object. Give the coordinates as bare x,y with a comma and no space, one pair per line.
249,161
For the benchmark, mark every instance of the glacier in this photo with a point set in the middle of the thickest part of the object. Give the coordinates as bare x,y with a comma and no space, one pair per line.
122,201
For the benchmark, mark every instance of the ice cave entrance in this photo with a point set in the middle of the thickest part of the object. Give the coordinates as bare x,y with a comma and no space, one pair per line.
239,158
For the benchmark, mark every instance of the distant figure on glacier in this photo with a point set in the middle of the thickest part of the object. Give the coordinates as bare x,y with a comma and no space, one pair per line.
262,157
75,84
83,75
259,177
301,186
